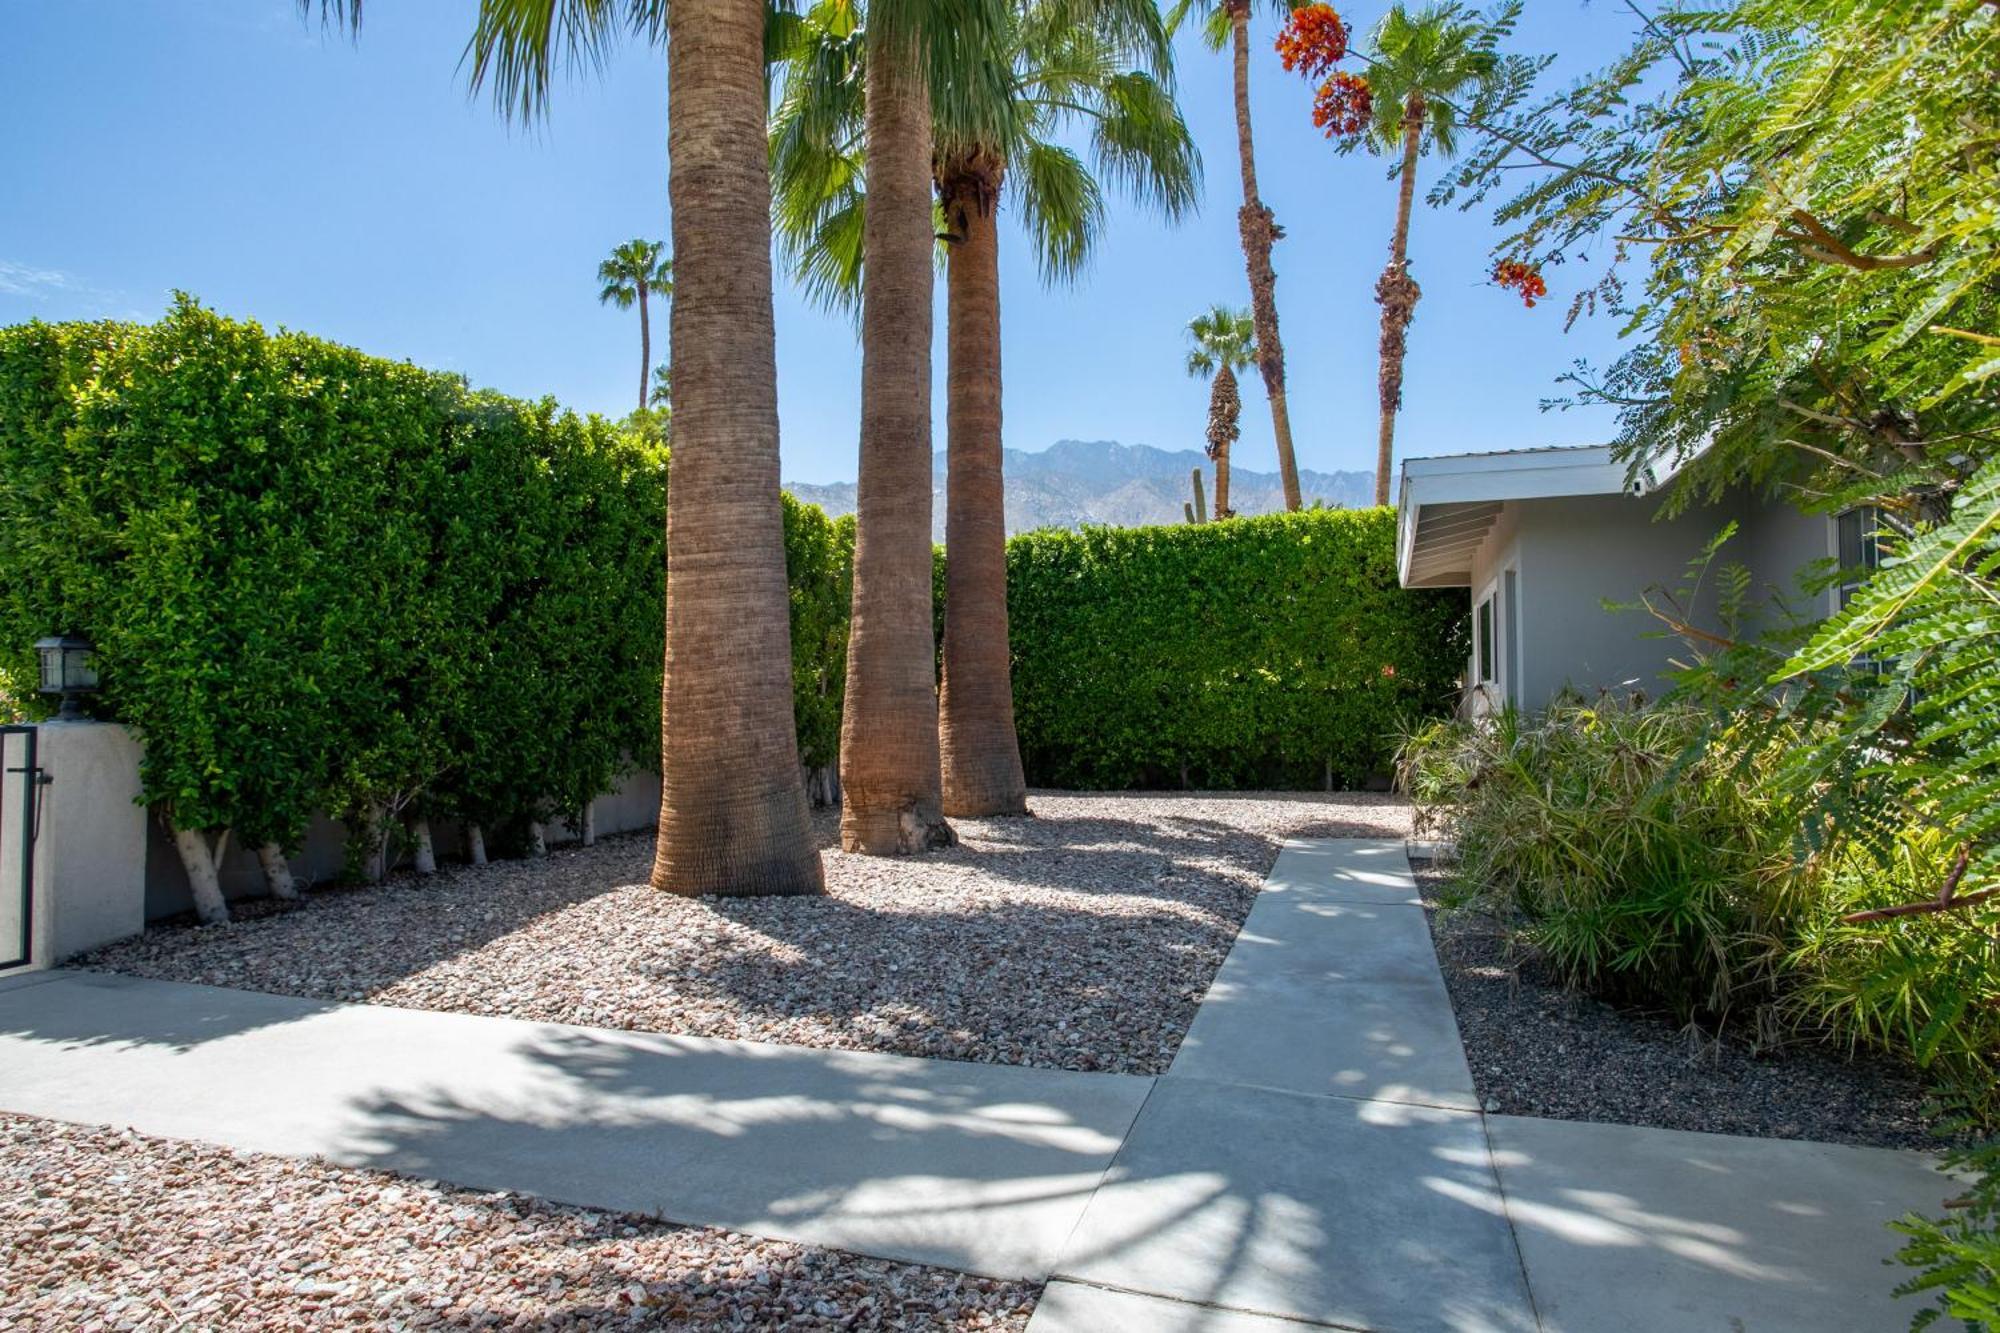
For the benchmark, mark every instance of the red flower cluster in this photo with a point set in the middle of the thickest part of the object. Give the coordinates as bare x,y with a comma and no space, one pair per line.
1523,278
1313,41
1343,106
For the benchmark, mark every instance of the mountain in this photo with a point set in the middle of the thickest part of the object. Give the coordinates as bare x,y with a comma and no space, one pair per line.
1073,482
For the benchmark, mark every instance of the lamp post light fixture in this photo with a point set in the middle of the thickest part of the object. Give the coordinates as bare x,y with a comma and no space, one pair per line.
69,669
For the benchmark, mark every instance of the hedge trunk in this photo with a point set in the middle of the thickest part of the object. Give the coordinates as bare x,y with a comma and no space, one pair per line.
202,861
892,800
980,755
1397,292
733,817
1259,231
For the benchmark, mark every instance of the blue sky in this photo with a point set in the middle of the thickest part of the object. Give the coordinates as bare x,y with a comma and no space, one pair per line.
355,191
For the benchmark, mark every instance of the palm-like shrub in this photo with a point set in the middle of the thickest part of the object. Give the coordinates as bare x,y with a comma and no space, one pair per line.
1635,861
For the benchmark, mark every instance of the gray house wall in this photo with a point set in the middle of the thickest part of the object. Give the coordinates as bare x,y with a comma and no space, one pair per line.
1574,553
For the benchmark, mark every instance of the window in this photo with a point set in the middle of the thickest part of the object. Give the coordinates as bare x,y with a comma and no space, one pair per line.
1483,654
1856,550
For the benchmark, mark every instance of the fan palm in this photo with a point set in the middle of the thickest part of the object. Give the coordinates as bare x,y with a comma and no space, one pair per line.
1256,226
1099,66
733,815
1220,343
635,271
1421,66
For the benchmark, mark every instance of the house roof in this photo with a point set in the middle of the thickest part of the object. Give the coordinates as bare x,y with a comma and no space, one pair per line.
1448,504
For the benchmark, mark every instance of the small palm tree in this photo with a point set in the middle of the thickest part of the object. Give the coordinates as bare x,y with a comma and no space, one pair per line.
1228,24
1423,66
1220,343
637,269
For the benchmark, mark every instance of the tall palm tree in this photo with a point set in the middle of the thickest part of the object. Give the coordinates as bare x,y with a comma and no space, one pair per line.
1257,228
1099,66
1421,66
1220,343
636,270
733,815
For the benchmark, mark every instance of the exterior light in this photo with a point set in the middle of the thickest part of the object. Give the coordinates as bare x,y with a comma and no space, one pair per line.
69,668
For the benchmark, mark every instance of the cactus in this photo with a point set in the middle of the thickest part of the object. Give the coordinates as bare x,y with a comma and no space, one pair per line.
1198,511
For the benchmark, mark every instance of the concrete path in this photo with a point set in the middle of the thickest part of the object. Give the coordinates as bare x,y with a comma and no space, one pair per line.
984,1168
1315,1158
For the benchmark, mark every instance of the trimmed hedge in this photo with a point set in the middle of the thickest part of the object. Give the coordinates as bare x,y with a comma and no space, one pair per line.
1259,652
319,580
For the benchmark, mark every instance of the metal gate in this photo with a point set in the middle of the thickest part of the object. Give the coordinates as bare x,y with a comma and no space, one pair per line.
20,809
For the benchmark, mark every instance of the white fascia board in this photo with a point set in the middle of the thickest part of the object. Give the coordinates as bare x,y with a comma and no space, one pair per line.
1530,474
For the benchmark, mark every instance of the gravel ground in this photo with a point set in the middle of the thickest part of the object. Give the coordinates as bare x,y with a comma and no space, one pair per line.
1538,1049
1079,939
108,1229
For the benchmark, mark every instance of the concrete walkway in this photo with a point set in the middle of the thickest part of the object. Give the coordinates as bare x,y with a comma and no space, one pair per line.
1315,1157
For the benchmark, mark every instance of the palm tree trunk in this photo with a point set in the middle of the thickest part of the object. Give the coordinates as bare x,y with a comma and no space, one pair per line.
1225,406
891,795
1397,292
733,817
981,755
1259,231
645,347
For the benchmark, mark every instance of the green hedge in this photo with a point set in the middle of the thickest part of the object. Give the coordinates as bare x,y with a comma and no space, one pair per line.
319,580
1260,652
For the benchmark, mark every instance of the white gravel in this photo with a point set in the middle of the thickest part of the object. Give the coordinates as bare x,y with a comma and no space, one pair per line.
1080,939
105,1229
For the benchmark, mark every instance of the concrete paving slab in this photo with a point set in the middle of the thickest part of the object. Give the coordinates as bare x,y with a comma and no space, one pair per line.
1071,1307
1359,1214
1392,1041
980,1167
1346,870
1655,1229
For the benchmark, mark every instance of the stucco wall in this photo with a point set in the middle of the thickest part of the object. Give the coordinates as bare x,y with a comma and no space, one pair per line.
1574,553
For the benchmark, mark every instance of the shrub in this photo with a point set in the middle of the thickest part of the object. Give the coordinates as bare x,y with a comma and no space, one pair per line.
1274,651
1959,1254
1638,862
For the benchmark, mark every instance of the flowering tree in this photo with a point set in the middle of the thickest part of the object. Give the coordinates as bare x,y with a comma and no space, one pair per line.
1425,70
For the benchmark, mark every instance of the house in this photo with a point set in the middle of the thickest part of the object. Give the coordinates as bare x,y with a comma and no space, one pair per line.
1542,538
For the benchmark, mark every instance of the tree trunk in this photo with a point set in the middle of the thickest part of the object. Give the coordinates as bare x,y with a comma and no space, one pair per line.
587,824
201,861
277,872
475,844
889,776
733,816
980,753
1225,412
538,841
1258,231
645,348
1397,292
426,853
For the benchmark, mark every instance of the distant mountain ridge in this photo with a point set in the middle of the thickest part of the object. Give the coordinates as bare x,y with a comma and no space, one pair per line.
1074,482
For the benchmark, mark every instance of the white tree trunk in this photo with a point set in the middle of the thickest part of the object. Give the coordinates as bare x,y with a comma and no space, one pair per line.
426,855
277,872
587,830
199,860
538,845
475,843
376,869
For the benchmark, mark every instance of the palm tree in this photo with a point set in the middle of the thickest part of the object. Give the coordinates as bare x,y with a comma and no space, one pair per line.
1221,342
1420,65
634,271
1258,230
1102,67
733,815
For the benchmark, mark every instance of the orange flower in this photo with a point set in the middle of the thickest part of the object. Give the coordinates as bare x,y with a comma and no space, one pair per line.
1313,41
1344,106
1522,277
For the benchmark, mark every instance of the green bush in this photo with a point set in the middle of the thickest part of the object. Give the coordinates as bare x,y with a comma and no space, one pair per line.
1639,863
1267,652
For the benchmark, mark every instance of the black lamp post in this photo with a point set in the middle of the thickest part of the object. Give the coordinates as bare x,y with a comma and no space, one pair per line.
69,669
